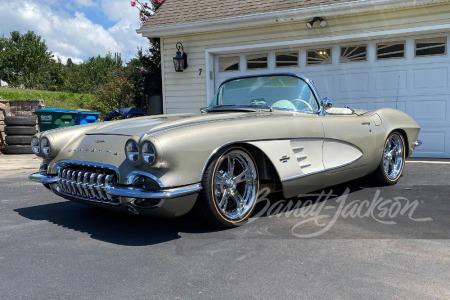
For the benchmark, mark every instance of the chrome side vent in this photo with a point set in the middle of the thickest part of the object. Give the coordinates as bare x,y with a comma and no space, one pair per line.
300,155
308,153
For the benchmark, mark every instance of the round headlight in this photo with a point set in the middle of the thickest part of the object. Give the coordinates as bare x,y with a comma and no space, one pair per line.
132,151
35,146
149,153
45,146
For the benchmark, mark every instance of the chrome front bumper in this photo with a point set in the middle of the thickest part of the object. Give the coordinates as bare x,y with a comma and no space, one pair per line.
76,189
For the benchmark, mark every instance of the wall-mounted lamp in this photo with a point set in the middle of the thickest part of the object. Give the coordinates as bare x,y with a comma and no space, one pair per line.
323,22
180,59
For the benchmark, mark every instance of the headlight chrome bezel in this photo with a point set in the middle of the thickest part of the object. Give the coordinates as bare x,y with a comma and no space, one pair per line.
45,147
132,148
36,146
149,153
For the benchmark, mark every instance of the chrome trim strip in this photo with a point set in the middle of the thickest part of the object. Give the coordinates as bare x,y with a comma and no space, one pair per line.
417,143
43,178
321,171
274,139
196,123
161,194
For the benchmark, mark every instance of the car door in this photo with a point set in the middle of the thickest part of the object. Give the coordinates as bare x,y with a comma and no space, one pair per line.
349,142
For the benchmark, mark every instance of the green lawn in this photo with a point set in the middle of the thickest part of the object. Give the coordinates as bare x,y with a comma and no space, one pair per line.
51,99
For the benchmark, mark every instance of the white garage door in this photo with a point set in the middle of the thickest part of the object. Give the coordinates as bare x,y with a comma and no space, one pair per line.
410,74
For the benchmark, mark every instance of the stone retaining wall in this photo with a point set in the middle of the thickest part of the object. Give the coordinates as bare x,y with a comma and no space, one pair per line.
18,108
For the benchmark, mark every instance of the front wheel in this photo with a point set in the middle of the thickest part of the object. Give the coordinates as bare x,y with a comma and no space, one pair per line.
230,188
393,161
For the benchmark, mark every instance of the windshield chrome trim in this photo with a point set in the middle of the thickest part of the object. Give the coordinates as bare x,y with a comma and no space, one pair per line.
309,82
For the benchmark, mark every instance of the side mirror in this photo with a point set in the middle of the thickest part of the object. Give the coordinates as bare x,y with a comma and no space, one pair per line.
327,103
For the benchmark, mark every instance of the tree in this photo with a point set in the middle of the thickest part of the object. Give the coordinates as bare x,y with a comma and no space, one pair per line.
24,59
55,76
87,76
151,58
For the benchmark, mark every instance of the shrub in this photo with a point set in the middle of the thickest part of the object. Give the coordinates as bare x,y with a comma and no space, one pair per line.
117,93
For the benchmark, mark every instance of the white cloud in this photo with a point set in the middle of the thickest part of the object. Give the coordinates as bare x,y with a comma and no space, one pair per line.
85,3
74,35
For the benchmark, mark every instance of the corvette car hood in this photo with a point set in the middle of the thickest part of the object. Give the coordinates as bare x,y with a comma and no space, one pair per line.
141,125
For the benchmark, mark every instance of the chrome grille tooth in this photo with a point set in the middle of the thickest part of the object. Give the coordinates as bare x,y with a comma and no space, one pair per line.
80,183
68,185
86,184
92,181
73,183
108,180
63,180
99,186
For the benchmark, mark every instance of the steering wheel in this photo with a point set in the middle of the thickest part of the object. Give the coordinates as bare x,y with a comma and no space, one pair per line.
284,104
302,102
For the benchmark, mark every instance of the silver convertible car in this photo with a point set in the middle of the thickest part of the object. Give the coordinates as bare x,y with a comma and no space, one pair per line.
258,130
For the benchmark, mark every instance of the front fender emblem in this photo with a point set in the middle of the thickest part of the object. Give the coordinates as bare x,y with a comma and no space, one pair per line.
284,158
99,141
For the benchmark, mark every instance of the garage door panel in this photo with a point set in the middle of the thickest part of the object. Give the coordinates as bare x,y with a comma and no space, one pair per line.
430,78
357,82
389,81
433,142
434,111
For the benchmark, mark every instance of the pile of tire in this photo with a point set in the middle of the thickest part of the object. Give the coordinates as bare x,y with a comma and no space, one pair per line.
19,131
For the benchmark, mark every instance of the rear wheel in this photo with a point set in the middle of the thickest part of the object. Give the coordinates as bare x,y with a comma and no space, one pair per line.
230,188
393,161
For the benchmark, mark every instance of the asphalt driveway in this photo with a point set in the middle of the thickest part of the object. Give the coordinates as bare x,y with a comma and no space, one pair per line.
352,241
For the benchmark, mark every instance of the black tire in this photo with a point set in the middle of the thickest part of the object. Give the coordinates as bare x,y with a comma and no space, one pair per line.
241,189
19,149
19,139
20,130
20,120
391,166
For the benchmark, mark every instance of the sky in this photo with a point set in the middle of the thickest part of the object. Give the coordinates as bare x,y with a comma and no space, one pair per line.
78,29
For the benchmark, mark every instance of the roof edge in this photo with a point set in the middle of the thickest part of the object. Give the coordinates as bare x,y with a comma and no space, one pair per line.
339,9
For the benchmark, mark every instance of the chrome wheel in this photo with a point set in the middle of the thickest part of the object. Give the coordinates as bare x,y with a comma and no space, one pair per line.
393,157
235,184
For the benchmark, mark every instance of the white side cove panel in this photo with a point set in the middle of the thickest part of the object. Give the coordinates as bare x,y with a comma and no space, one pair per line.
293,158
338,154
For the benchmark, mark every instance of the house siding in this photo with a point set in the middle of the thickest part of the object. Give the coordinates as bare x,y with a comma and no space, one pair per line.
186,92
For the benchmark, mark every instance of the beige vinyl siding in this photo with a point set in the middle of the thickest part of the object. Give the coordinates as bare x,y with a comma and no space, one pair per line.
186,92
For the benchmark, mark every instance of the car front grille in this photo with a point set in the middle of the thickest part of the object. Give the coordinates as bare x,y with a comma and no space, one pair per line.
87,183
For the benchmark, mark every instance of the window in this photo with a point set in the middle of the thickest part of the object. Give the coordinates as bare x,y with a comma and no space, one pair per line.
433,46
228,64
391,50
318,57
257,61
353,53
286,59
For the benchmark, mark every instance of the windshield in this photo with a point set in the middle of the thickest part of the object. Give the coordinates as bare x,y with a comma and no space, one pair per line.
278,92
